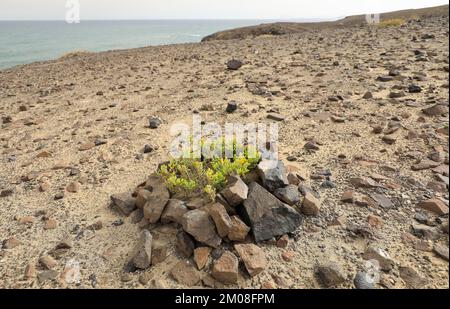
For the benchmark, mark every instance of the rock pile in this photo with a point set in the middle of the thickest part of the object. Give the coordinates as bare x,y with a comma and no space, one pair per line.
245,213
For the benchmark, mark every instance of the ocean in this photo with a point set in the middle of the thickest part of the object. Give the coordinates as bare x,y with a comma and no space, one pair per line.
23,42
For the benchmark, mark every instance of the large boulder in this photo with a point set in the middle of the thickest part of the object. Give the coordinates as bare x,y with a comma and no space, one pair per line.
273,174
157,200
268,216
199,224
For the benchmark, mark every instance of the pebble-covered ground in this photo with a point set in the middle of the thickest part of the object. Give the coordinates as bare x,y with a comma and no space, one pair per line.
366,105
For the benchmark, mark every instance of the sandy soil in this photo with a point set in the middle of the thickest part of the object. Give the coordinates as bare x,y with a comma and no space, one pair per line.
50,110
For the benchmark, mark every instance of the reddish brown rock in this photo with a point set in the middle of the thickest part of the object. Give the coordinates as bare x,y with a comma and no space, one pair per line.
185,273
158,199
310,205
50,224
287,256
434,205
11,243
201,256
236,191
221,219
239,230
283,241
73,187
253,257
225,269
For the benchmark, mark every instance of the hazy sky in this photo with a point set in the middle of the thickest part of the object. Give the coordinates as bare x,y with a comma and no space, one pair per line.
213,9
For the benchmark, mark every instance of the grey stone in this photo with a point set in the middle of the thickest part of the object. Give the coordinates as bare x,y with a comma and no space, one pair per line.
273,174
143,256
268,217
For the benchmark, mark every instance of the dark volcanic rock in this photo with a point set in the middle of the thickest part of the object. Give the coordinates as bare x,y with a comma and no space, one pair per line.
234,64
268,216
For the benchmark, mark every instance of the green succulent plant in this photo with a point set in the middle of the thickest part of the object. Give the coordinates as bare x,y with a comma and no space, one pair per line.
188,177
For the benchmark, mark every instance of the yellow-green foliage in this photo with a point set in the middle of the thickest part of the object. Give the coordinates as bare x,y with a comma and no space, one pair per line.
189,177
392,22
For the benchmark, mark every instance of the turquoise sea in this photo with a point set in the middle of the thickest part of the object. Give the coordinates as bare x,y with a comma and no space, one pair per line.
24,42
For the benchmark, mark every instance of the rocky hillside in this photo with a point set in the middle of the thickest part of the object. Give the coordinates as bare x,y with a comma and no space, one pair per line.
351,21
363,115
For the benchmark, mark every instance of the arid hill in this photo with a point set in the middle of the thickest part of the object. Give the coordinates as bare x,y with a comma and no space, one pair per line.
350,21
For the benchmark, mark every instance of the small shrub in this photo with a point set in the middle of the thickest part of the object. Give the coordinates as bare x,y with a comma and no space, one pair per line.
397,22
188,177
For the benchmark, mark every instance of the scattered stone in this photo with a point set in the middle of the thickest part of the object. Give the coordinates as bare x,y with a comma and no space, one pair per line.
26,220
382,257
253,257
435,206
73,187
412,278
47,275
311,146
201,256
268,216
287,256
364,182
283,241
48,262
441,251
375,221
275,117
290,194
154,122
11,243
185,273
124,202
234,64
159,252
50,224
148,148
424,231
30,271
239,230
363,281
143,257
436,110
381,200
236,191
174,212
310,205
87,146
389,139
330,274
231,107
225,269
414,89
273,174
6,193
185,244
157,201
199,224
221,218
424,165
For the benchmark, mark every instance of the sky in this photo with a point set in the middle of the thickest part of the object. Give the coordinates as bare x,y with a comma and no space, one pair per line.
204,9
